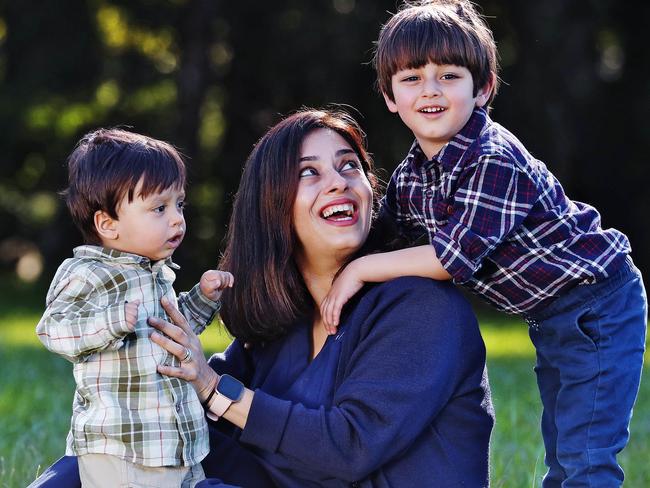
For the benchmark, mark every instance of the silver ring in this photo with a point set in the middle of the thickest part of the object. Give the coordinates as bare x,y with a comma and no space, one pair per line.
188,355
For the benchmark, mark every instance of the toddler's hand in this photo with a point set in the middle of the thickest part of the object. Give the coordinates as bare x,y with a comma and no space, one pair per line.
344,287
213,282
131,312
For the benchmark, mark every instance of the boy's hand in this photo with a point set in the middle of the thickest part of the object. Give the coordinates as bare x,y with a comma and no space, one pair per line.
344,287
131,312
213,282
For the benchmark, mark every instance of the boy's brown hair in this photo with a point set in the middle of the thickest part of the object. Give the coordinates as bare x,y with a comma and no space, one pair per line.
440,32
107,165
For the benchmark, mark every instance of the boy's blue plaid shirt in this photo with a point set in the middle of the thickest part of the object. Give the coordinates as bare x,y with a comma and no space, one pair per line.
122,406
499,220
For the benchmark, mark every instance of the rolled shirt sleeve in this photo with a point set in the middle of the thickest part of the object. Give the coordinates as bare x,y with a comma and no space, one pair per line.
492,200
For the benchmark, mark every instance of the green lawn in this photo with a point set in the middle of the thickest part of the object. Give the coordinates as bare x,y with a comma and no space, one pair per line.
36,391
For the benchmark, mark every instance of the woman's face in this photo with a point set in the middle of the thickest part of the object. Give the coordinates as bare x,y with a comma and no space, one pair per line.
333,207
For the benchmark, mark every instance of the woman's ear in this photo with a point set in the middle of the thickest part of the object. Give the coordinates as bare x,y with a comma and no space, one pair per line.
485,93
106,226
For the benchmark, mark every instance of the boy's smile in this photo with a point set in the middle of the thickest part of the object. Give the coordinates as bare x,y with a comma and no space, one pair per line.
435,102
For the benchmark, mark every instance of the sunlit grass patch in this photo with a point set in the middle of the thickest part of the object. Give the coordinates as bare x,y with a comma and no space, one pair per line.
36,389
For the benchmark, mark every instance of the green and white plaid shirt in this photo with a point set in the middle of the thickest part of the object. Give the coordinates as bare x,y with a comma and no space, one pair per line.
122,406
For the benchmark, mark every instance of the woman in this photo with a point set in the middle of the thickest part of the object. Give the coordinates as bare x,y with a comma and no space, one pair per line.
399,397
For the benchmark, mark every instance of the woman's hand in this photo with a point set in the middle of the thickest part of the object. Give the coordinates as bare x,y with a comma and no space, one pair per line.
181,339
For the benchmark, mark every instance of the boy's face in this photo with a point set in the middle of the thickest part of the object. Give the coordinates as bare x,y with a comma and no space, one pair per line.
435,102
152,227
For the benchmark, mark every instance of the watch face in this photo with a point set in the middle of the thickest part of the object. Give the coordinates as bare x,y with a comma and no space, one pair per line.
230,388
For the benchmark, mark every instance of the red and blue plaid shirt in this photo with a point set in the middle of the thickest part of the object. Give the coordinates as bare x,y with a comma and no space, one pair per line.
499,220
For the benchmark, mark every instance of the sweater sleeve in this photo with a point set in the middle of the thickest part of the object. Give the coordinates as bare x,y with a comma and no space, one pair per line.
77,320
412,355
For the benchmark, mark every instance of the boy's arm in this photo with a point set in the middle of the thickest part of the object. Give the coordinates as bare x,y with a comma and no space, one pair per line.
202,302
75,324
413,261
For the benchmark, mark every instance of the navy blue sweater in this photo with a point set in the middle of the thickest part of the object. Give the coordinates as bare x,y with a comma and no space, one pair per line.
410,405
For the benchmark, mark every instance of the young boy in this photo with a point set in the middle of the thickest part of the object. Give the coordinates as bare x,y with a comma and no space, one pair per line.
498,222
130,425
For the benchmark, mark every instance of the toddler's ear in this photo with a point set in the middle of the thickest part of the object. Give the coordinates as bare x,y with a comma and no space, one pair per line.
392,106
105,225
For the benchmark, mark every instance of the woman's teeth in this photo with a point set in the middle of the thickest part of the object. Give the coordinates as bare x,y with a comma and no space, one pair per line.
347,209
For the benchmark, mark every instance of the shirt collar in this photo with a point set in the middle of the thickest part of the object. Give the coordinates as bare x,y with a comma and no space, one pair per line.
114,256
451,152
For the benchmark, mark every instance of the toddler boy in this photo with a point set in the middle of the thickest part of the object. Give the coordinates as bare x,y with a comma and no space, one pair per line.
130,425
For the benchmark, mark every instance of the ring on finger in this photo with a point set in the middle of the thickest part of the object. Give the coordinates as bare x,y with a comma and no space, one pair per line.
188,355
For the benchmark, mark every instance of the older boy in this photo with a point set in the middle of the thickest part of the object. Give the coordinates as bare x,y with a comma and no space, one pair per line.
499,223
130,425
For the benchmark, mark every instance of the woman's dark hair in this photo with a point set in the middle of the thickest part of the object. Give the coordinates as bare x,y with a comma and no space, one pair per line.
269,292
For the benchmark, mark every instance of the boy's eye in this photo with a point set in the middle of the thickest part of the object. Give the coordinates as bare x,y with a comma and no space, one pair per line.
450,76
410,78
159,209
182,205
309,171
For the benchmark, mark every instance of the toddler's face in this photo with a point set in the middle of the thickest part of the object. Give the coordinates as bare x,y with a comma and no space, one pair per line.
152,227
435,102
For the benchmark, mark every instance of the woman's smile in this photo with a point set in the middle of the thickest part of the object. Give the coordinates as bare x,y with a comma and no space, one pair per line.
340,212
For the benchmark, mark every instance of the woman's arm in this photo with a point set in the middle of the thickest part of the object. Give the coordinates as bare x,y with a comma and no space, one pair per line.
420,343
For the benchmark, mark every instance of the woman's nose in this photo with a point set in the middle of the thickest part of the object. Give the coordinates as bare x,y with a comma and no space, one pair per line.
336,182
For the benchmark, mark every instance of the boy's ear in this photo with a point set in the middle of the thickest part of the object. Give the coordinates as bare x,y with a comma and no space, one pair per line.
392,106
105,225
484,93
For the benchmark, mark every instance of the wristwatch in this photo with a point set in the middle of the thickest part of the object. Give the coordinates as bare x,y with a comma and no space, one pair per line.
229,390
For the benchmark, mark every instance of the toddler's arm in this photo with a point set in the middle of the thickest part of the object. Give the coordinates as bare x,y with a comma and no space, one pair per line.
75,324
413,261
201,303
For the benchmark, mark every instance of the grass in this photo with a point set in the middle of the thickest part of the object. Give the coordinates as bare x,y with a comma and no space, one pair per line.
36,391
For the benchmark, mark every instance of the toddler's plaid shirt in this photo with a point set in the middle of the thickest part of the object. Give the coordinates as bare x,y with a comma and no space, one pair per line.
122,406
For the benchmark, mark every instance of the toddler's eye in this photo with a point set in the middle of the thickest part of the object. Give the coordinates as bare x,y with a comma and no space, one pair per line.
410,78
160,209
450,76
309,171
182,205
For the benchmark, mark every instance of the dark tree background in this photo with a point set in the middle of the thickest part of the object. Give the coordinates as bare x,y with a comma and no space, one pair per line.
211,75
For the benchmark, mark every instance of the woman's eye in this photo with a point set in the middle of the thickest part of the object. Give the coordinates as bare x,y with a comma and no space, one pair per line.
307,172
350,165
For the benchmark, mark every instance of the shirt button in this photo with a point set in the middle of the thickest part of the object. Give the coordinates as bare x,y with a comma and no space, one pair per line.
450,209
429,193
178,408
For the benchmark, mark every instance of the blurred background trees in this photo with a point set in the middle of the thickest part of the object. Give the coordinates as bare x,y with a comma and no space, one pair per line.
211,75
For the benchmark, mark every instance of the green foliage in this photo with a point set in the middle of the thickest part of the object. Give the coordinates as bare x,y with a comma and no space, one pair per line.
211,76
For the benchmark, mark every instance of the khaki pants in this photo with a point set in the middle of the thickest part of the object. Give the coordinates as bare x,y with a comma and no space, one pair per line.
105,471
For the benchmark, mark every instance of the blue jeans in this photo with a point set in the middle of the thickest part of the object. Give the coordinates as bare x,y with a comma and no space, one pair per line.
590,345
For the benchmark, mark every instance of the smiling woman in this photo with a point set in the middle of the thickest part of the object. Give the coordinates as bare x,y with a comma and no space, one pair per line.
398,397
